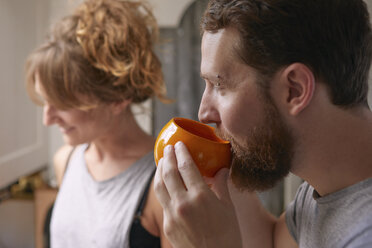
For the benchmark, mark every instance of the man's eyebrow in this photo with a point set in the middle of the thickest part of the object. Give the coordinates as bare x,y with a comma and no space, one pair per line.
203,76
207,77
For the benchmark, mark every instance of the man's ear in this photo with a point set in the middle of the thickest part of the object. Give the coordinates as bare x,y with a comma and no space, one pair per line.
119,107
299,86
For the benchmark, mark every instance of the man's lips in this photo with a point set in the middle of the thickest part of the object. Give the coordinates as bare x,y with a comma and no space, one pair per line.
221,134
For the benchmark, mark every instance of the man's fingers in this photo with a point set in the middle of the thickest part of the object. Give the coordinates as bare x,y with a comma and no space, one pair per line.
187,168
220,185
171,177
159,186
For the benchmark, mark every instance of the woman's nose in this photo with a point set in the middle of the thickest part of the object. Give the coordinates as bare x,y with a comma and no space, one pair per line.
208,110
49,115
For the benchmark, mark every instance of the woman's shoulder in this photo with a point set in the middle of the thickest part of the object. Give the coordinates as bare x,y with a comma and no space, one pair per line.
60,160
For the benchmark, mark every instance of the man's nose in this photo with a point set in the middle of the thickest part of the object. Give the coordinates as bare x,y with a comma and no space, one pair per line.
208,110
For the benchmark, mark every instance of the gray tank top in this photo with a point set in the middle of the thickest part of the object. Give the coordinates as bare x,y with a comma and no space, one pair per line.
92,214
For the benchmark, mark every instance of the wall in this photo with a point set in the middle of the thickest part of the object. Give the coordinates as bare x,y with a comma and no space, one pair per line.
17,224
23,146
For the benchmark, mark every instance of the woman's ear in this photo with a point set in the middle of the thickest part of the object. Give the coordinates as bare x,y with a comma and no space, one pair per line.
119,107
299,86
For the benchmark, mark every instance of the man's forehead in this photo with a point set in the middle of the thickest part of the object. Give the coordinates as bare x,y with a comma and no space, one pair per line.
225,40
218,52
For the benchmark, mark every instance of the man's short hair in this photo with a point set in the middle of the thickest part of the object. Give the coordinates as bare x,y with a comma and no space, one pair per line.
332,37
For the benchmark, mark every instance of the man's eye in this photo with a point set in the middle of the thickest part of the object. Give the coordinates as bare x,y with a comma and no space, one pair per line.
213,84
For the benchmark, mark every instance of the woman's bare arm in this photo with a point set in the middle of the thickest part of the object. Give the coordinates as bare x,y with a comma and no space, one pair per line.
59,162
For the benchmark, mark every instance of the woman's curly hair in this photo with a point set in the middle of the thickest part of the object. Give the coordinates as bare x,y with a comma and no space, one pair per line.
104,52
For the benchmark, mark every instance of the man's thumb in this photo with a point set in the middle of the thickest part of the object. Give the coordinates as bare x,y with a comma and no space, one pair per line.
219,185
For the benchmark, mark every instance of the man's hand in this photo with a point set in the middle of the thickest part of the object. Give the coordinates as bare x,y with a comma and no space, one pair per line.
194,215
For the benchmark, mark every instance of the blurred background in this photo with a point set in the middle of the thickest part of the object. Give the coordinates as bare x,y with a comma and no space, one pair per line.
26,147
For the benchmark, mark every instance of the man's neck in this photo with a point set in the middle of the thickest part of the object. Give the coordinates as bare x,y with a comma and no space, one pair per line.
336,151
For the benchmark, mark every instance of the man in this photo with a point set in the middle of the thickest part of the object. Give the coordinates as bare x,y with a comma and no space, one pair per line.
286,83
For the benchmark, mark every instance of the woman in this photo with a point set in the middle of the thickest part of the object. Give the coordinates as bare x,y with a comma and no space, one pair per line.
94,65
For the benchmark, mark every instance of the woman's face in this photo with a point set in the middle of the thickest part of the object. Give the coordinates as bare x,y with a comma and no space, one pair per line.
77,126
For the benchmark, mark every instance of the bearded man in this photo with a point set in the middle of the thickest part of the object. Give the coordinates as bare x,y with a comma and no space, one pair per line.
286,84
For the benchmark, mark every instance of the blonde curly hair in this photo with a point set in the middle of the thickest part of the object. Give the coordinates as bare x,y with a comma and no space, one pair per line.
104,52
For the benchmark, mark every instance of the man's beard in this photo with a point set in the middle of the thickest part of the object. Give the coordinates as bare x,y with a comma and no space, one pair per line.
266,155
